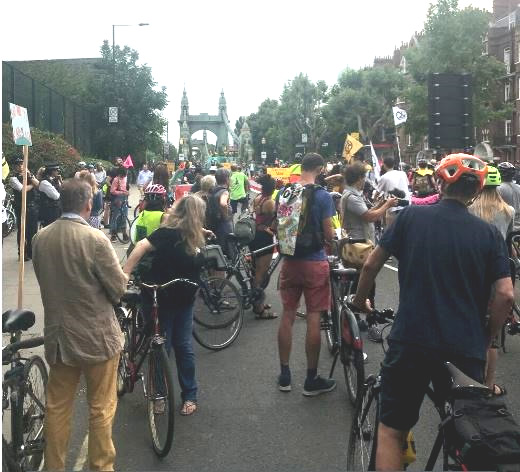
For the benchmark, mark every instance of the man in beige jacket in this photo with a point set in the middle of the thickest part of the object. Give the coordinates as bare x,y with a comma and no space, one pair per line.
80,280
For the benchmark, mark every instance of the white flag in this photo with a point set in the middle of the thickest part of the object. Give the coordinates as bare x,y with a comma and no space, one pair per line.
400,115
376,169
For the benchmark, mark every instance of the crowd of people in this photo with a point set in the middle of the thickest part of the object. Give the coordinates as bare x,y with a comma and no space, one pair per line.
445,222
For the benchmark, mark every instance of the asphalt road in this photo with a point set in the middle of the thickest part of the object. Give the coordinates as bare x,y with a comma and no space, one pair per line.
243,421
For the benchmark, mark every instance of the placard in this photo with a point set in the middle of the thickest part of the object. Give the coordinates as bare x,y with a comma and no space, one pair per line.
20,123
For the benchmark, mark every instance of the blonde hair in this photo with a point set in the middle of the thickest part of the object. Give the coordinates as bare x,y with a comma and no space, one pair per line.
488,203
90,179
188,216
207,183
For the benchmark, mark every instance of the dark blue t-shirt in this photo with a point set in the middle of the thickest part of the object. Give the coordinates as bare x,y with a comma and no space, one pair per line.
448,262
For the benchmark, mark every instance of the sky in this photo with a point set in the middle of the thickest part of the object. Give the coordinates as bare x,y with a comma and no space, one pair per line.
248,49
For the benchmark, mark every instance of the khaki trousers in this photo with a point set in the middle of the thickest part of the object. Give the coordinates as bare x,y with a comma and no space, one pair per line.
102,401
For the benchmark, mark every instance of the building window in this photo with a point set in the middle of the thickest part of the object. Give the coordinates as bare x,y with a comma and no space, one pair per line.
485,134
403,65
508,128
518,87
408,139
426,145
517,51
507,91
507,59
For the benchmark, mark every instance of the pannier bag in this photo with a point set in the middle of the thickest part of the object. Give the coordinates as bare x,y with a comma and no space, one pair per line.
245,229
484,433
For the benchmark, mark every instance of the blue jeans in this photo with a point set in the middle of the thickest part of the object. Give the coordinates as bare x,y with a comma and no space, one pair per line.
177,325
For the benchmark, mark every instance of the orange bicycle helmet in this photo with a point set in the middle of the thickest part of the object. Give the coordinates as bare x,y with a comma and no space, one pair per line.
453,166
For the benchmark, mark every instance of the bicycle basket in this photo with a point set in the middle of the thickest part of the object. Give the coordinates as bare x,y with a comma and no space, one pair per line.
214,257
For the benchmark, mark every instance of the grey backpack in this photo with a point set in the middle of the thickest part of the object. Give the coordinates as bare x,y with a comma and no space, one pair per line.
245,229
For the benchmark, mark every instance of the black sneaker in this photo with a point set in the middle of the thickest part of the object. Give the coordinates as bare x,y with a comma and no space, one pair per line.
317,386
284,383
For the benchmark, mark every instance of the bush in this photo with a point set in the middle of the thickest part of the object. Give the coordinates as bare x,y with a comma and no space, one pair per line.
47,148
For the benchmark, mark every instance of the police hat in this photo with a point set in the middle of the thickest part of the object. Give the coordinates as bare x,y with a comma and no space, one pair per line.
18,160
53,166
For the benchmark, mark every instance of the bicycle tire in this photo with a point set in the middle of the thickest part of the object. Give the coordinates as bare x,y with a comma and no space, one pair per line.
122,227
35,379
218,303
362,445
159,381
217,333
9,224
123,368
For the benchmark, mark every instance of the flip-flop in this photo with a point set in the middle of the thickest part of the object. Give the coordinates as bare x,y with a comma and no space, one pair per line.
188,408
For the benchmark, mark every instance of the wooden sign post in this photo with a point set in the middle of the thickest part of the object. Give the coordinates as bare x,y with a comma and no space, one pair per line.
22,137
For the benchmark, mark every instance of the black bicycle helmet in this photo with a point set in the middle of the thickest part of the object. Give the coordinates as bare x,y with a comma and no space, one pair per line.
507,170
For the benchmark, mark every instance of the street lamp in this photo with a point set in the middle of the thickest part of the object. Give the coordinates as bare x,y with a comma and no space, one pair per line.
114,39
263,150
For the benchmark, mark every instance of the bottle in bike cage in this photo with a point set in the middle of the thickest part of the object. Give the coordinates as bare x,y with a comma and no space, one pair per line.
409,455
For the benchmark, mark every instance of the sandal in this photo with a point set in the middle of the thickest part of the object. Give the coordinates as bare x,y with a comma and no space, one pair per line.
188,408
498,391
265,315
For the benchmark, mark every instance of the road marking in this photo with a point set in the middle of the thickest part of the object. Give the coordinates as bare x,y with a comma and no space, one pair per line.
395,269
82,456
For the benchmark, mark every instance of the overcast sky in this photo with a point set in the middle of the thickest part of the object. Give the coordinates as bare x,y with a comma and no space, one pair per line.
248,48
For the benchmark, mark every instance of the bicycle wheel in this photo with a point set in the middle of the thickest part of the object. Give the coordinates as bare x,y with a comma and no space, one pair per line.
217,314
33,412
362,444
9,224
353,366
160,399
122,228
123,368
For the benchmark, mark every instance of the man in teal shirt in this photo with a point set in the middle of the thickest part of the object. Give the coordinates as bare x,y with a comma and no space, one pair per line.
238,186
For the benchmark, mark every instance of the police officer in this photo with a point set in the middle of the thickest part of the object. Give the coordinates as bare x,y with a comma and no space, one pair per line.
31,215
50,208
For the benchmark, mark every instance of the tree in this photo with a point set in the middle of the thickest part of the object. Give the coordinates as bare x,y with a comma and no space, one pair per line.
265,124
446,25
362,101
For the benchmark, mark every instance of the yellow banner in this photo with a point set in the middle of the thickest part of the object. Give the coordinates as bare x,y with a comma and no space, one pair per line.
355,135
281,173
226,165
350,148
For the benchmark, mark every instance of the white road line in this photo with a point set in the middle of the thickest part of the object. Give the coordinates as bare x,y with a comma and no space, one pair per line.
82,456
395,269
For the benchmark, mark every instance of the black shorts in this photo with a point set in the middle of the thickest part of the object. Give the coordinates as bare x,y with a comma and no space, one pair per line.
406,374
234,204
262,239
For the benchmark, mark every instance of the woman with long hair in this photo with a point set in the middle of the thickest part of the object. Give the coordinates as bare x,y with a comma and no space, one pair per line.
207,184
97,199
175,249
264,210
491,207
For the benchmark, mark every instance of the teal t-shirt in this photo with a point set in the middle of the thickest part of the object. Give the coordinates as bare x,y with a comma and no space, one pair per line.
237,185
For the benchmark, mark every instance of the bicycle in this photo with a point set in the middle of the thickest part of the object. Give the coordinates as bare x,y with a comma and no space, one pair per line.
23,392
122,222
9,224
218,313
140,345
362,444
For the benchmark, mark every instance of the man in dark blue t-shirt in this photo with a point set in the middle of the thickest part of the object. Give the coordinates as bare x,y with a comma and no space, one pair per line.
451,264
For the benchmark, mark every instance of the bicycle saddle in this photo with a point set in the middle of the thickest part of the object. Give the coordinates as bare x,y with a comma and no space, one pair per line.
14,320
461,381
131,296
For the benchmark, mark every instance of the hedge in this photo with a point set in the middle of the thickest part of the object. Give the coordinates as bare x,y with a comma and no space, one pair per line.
46,148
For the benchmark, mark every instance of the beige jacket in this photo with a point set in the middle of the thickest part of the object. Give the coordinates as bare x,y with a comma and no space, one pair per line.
80,279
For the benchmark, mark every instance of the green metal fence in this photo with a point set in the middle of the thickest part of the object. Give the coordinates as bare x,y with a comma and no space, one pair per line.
47,109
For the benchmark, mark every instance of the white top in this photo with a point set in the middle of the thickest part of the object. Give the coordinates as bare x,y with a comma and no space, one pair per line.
100,176
144,177
394,179
47,188
15,184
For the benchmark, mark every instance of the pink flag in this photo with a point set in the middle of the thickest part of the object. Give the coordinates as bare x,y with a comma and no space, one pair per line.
128,162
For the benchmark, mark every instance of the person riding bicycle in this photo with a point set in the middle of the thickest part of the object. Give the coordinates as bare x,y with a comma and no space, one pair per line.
155,201
423,183
510,191
175,249
450,262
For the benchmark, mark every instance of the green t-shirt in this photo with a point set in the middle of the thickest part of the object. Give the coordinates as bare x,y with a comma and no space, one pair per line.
237,185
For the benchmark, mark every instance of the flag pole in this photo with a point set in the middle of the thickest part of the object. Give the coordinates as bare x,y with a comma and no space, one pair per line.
398,147
22,226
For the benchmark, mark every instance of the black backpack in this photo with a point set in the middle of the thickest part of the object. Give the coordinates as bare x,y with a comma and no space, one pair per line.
213,212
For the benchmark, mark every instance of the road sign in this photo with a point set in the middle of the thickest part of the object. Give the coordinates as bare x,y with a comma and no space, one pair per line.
264,155
304,138
324,144
166,148
112,114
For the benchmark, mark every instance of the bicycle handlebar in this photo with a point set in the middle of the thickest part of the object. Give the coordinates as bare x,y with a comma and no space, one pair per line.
10,349
375,316
167,284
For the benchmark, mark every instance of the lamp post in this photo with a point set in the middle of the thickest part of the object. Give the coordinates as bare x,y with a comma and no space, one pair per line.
264,156
114,39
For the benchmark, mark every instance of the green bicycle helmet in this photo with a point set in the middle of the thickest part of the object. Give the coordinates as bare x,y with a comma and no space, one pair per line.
493,178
